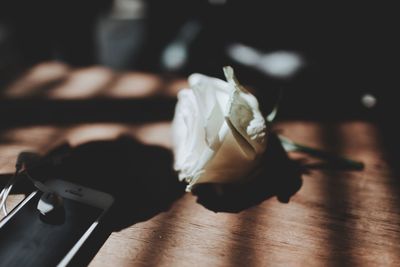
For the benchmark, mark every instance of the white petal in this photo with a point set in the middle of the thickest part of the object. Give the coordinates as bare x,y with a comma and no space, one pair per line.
244,117
188,133
247,123
212,95
229,164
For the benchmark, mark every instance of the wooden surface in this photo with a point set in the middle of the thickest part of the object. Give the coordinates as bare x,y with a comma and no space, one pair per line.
337,217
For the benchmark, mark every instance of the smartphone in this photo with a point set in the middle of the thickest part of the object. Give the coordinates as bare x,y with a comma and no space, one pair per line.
28,240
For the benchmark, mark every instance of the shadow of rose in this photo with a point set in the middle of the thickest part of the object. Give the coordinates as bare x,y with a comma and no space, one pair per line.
139,177
279,176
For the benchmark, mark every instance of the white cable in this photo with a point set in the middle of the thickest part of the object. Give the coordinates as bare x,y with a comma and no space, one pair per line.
6,191
3,203
3,208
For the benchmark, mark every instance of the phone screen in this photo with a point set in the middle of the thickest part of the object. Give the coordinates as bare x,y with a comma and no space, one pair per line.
27,240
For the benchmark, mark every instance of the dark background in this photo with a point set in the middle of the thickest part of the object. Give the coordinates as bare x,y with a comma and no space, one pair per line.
348,49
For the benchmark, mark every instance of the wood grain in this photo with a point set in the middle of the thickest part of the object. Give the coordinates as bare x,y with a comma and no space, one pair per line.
337,218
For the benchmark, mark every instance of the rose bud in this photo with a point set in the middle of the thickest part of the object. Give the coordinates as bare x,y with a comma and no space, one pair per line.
219,133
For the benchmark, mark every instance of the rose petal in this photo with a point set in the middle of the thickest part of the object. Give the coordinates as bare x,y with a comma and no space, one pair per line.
247,123
228,164
212,95
244,117
186,130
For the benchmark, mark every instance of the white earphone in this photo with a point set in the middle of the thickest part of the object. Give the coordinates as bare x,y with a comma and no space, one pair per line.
49,202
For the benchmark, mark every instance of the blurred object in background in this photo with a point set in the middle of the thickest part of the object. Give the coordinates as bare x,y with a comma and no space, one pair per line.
175,55
121,33
279,64
368,100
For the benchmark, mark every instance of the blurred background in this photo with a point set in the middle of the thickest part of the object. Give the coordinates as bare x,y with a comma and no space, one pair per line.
332,60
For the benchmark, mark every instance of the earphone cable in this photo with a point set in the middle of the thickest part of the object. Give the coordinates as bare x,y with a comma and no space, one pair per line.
6,191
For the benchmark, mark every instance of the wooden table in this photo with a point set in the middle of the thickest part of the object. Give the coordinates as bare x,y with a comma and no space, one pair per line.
336,217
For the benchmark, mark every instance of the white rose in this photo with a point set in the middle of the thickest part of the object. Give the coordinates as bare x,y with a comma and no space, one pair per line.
219,133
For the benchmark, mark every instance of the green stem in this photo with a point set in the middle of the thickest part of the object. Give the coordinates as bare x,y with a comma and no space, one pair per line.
289,145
